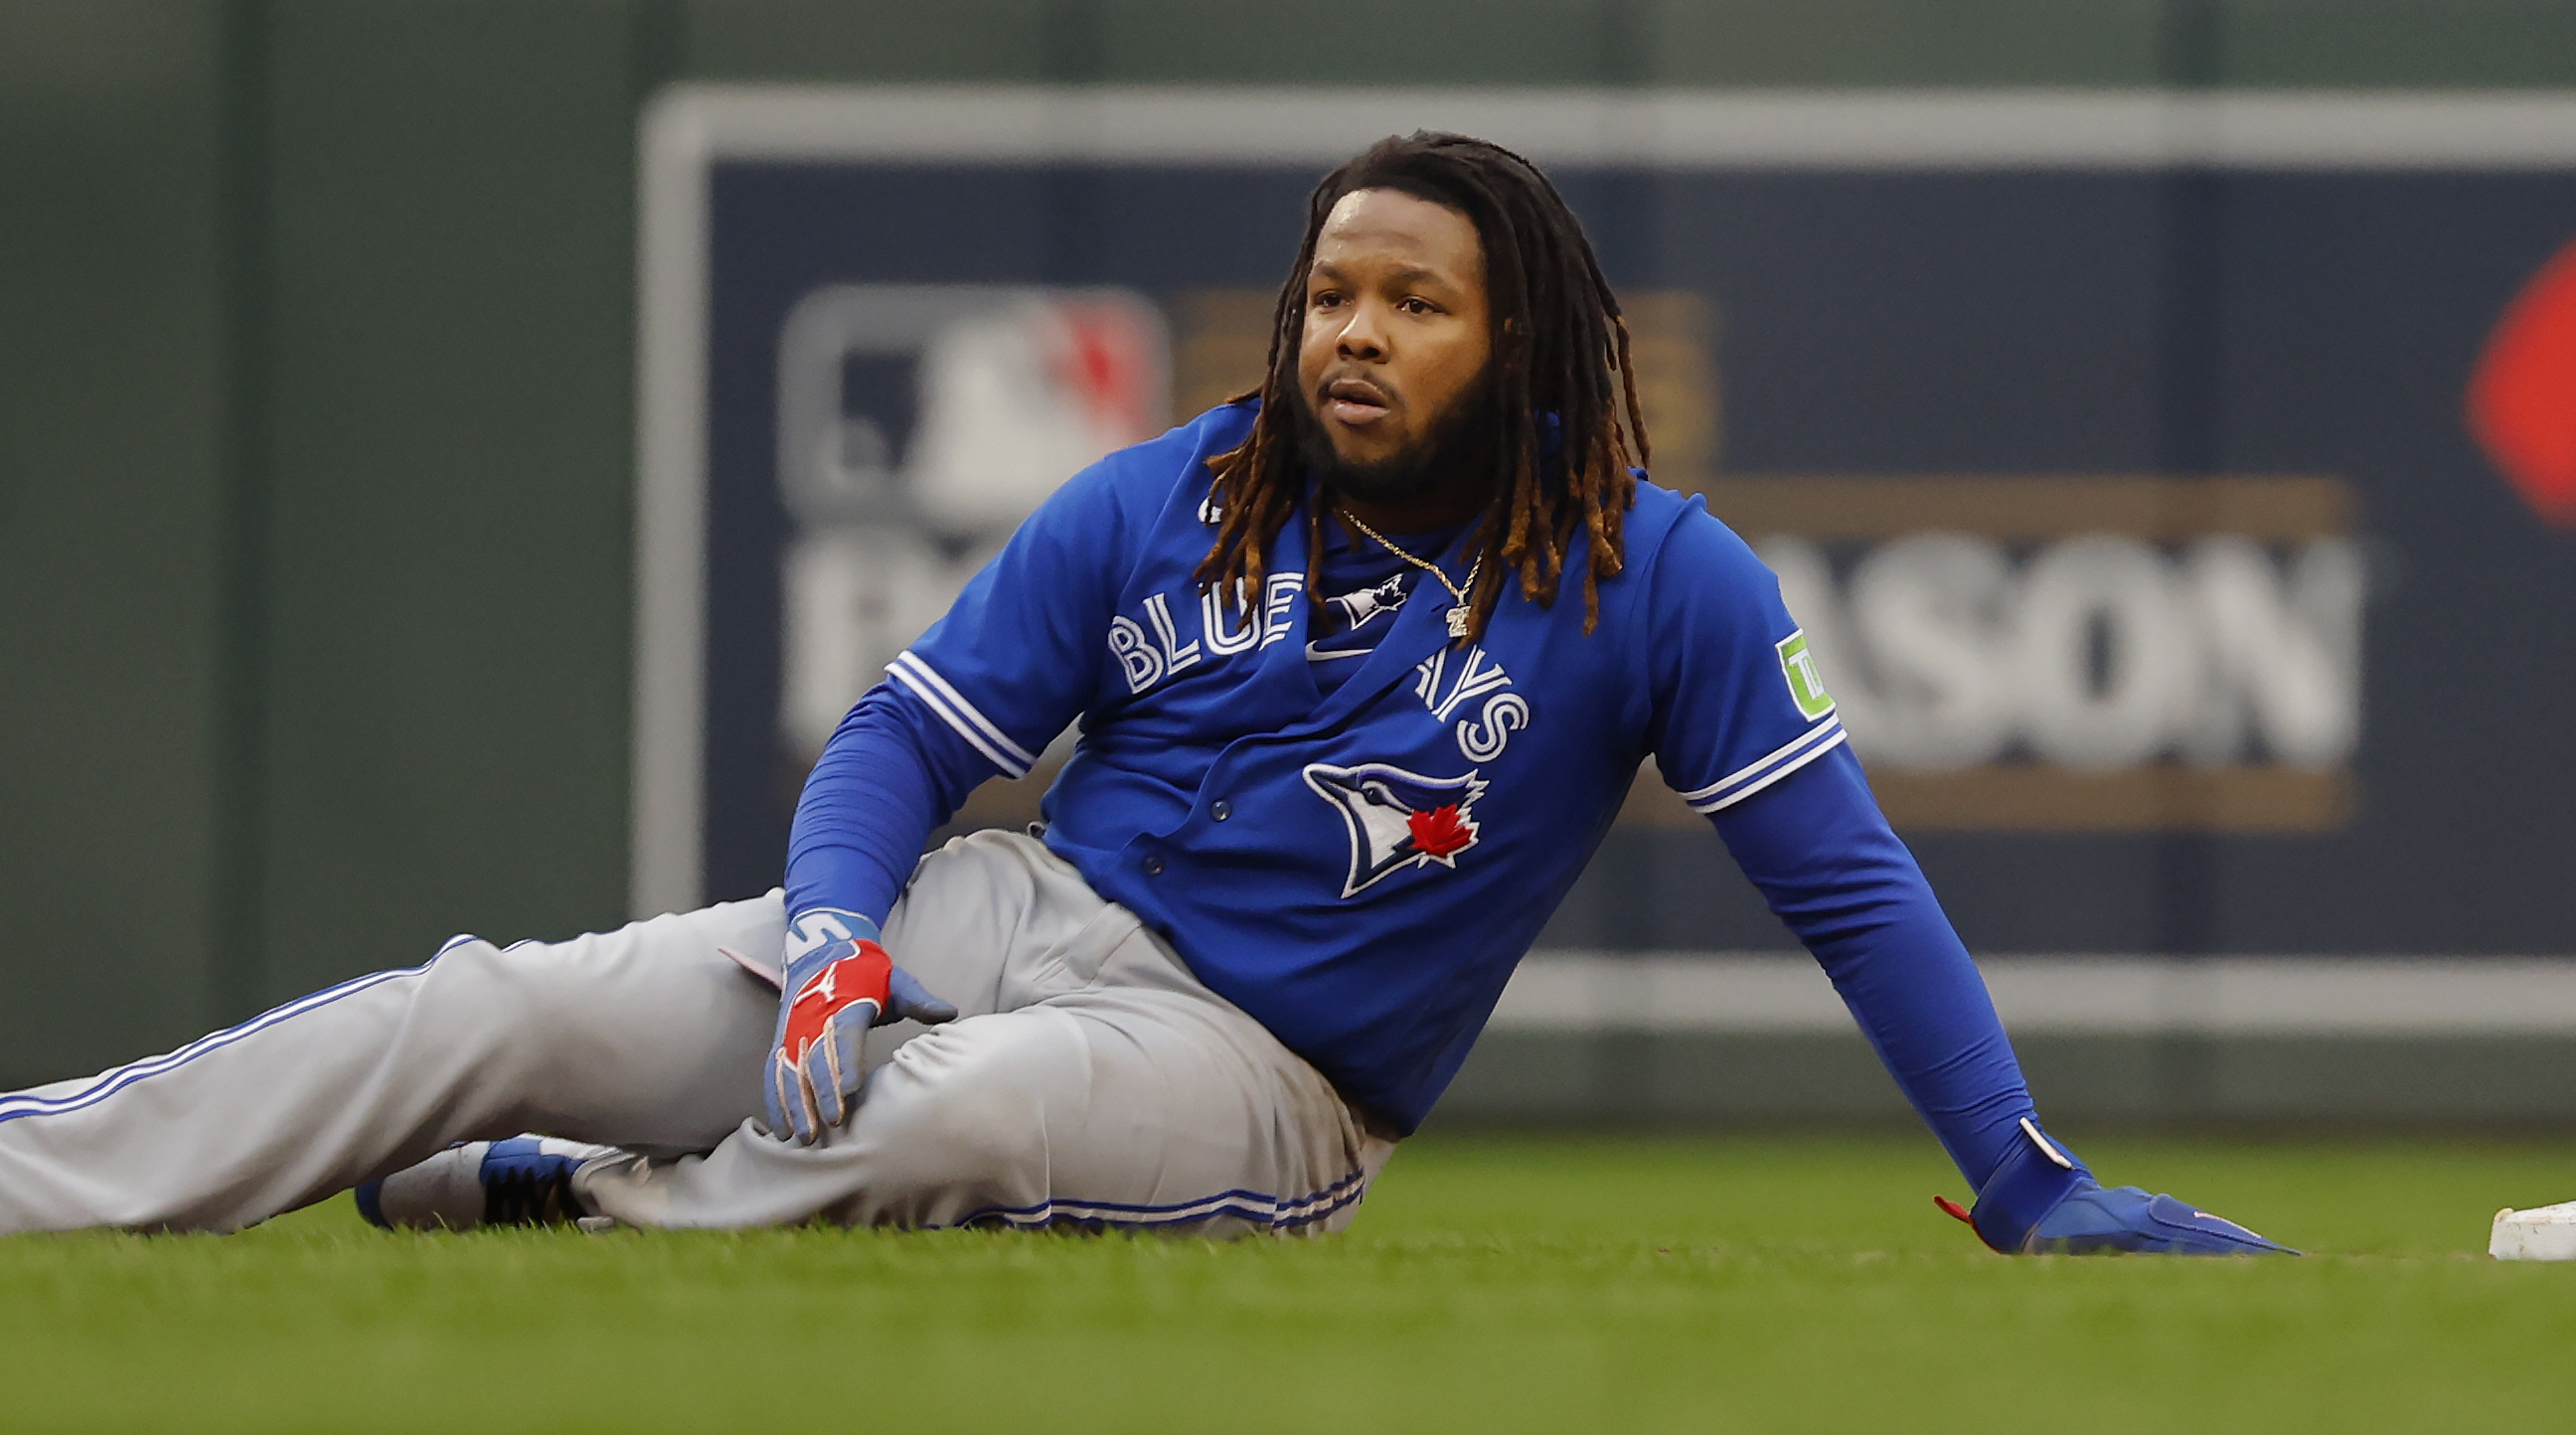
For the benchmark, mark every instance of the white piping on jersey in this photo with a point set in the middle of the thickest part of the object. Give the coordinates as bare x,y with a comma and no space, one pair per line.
952,707
1816,741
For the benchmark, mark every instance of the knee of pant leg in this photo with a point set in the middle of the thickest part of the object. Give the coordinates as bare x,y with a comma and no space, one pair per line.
958,1120
527,987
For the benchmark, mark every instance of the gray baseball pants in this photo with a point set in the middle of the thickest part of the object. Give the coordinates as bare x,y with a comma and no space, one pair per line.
1092,1080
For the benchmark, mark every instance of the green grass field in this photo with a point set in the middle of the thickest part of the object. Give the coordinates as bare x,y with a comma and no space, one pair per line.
1526,1283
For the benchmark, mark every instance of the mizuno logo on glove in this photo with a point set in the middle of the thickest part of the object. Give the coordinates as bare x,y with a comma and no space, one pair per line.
861,977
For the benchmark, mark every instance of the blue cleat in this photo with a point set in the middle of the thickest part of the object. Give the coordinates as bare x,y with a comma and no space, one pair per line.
524,1181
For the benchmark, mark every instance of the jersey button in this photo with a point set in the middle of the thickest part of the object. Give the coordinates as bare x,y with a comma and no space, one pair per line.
1220,809
1153,866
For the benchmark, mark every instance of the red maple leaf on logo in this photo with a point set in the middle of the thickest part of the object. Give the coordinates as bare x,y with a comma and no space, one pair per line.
1440,831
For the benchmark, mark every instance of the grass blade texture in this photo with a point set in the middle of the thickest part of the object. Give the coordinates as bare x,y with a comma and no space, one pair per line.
1496,1283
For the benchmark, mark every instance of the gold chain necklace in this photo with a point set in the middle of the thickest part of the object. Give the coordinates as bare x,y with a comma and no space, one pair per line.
1457,616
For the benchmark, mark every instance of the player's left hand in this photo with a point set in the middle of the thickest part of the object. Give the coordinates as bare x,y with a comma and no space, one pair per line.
837,982
2042,1201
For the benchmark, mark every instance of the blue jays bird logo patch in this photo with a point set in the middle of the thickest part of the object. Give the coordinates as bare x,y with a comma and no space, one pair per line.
1398,819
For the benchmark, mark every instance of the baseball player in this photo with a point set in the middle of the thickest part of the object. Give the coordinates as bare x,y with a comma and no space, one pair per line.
1363,663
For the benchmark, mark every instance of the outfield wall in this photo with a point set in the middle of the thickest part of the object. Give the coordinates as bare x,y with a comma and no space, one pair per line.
2207,353
1678,1037
316,443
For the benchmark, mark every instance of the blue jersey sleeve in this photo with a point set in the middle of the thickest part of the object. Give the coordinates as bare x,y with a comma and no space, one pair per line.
1018,655
979,695
890,774
1737,705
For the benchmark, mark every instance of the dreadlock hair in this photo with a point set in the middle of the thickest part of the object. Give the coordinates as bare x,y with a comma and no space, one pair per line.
1559,357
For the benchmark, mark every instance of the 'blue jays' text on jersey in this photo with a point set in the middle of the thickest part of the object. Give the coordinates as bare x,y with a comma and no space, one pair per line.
1358,871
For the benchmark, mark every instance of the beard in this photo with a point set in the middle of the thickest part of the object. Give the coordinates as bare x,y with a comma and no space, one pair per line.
1459,447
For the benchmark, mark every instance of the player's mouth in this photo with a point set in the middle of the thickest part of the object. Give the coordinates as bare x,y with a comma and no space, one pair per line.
1356,402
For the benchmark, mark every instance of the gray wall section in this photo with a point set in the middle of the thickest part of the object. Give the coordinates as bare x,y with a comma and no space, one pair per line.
111,483
393,395
986,41
2429,43
2082,1083
447,599
2323,43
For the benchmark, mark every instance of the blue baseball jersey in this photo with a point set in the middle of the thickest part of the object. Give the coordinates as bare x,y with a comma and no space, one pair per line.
1361,868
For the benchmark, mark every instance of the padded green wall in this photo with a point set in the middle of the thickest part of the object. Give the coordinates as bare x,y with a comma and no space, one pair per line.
446,596
112,514
316,329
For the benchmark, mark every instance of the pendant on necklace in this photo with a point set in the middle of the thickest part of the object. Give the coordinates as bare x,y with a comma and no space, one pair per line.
1458,621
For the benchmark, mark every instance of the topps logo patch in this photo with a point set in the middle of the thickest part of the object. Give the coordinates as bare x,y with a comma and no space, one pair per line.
1806,687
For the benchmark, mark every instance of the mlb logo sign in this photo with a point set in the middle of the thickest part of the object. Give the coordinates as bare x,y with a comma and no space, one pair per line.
917,426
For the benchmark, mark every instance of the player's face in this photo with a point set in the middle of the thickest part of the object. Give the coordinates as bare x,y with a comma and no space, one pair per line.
1396,336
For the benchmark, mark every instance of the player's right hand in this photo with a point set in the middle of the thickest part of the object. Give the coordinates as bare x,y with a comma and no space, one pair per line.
2041,1201
837,982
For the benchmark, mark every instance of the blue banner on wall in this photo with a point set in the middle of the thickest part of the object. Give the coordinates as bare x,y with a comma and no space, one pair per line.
2125,492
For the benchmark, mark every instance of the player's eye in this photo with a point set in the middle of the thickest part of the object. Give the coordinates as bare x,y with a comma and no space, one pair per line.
1417,305
1324,299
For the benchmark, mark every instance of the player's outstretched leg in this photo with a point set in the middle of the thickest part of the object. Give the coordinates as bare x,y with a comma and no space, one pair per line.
647,1037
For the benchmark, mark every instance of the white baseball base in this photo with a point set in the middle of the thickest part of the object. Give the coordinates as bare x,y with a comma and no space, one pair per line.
2543,1233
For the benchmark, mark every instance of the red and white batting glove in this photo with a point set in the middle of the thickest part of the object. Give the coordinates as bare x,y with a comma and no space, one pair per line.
837,983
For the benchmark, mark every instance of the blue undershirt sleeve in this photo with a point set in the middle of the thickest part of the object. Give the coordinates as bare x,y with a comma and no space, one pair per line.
1825,859
1016,658
888,777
